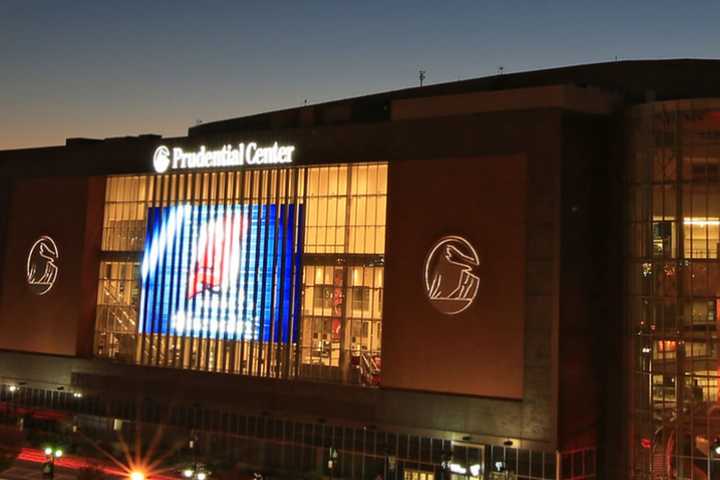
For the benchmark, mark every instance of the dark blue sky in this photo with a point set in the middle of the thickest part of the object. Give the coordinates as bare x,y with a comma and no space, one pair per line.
109,68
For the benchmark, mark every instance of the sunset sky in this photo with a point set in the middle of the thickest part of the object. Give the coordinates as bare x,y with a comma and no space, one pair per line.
101,68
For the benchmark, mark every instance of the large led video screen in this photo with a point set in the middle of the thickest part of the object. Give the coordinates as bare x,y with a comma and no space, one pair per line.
226,272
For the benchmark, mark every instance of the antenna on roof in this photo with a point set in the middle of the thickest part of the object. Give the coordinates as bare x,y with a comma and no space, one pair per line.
198,121
421,75
500,70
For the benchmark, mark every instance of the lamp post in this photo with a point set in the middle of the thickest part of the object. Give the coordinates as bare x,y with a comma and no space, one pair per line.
196,472
445,465
332,460
389,462
12,406
51,454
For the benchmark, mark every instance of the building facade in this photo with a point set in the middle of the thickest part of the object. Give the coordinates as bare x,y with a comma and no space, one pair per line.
482,279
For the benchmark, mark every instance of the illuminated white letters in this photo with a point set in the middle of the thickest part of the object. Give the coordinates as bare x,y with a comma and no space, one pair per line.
227,156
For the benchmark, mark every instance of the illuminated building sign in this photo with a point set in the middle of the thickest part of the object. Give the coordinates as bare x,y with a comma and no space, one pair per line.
451,280
251,153
41,266
222,272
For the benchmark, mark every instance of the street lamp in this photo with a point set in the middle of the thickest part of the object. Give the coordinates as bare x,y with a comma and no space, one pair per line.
137,476
12,407
51,454
389,463
446,459
332,460
196,472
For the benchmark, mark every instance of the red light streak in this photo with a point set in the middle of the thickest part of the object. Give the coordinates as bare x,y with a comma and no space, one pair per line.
75,463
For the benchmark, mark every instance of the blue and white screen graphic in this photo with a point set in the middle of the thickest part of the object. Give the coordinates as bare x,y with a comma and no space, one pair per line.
226,272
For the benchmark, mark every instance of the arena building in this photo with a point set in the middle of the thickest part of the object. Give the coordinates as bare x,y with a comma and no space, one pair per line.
507,277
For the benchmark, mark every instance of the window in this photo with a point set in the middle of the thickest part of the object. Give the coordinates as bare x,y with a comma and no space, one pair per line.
361,299
662,238
702,237
323,297
339,213
673,194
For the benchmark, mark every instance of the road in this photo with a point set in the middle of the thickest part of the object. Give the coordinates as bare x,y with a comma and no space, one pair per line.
33,471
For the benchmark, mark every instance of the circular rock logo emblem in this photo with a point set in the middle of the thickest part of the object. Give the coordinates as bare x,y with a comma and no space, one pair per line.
451,279
161,159
42,269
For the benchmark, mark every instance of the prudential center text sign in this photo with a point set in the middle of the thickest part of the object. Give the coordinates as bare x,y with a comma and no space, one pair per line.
176,158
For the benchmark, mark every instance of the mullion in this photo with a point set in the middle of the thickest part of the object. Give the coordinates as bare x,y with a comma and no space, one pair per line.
229,248
264,272
220,203
246,274
258,208
283,345
242,285
155,338
170,337
144,297
148,299
273,275
301,316
195,216
181,339
211,342
295,256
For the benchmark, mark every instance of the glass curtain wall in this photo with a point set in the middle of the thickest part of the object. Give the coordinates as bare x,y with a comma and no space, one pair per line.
275,273
672,287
